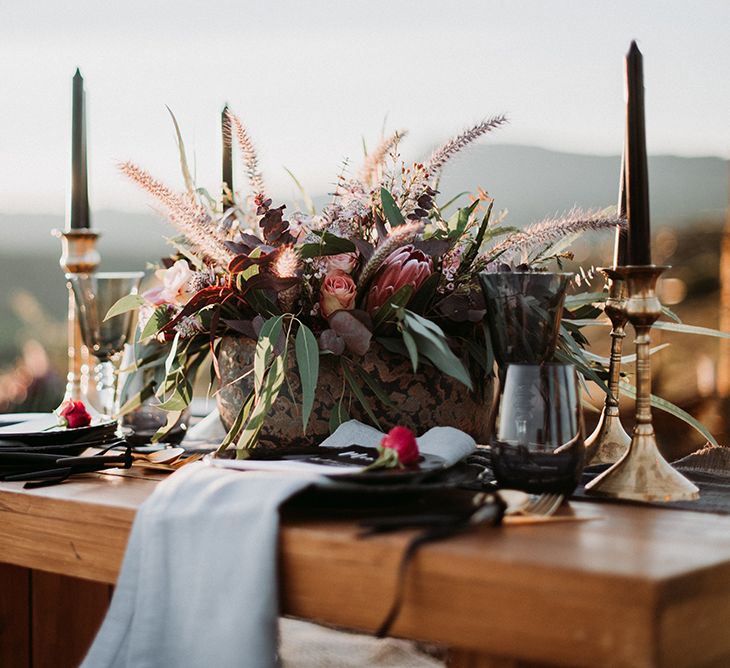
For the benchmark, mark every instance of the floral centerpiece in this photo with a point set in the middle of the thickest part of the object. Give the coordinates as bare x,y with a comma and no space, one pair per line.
310,306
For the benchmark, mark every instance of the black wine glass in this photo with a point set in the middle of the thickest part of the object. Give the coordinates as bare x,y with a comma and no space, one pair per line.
538,446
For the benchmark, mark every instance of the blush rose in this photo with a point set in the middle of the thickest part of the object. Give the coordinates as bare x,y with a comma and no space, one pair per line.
342,262
338,292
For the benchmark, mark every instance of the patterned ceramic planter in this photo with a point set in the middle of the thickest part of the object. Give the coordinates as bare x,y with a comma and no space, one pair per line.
421,401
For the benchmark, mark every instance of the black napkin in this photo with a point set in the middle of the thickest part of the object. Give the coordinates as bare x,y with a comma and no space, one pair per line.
40,466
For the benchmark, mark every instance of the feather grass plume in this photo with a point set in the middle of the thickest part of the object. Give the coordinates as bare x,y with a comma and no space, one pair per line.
551,230
250,156
399,236
456,144
183,213
375,159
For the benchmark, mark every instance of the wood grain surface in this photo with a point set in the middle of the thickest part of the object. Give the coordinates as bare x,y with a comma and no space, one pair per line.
638,587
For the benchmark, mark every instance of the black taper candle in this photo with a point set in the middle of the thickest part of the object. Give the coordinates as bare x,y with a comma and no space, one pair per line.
79,210
620,247
227,163
637,172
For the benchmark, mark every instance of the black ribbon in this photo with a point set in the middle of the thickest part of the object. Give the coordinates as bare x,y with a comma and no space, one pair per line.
435,527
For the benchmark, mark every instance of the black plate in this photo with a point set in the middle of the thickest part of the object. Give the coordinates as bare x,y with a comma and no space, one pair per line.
353,456
42,430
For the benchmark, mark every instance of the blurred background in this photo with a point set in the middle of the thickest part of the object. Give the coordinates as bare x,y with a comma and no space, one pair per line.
315,80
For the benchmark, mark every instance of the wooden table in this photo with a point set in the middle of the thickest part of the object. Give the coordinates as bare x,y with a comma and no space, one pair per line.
639,587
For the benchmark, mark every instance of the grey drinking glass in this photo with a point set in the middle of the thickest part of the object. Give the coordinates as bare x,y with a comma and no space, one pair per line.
538,444
95,294
524,309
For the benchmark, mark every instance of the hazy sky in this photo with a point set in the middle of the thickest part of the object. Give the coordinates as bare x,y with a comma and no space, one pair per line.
310,78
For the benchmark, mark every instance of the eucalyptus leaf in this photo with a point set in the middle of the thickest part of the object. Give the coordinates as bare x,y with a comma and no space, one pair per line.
386,312
123,305
432,344
461,220
357,391
410,344
669,407
375,387
307,353
159,318
330,244
237,425
574,301
338,416
172,417
423,296
147,392
625,359
444,359
390,208
670,314
263,402
393,345
172,355
676,327
268,338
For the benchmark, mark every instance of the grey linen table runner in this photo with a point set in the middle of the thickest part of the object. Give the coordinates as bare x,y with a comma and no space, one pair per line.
198,585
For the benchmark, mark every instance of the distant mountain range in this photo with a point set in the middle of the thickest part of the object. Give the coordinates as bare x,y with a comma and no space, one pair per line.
530,182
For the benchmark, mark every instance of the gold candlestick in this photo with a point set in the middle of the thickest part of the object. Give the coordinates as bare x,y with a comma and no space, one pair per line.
642,474
78,256
609,442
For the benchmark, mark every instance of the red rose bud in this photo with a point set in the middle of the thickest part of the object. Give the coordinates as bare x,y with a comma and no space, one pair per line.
73,414
403,442
404,266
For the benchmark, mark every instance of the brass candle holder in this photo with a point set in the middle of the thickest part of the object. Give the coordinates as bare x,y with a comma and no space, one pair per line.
643,474
609,442
78,256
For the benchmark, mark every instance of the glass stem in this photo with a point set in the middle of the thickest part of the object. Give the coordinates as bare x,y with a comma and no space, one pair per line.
106,387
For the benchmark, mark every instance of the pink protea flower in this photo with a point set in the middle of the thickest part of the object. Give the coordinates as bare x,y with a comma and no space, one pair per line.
404,266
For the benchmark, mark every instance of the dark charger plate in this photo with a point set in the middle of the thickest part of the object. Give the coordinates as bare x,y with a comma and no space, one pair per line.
430,473
40,430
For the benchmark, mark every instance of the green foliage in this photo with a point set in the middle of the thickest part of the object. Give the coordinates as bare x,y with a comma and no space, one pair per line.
431,342
357,391
330,244
189,184
123,305
307,353
159,318
386,313
339,415
390,208
669,407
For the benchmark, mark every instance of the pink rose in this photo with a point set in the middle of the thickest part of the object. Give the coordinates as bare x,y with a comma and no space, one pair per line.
342,262
73,414
338,292
403,442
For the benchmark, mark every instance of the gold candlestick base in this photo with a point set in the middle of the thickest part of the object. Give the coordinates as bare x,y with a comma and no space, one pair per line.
609,442
642,474
78,255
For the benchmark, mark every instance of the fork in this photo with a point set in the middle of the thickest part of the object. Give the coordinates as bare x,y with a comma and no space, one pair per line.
538,505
